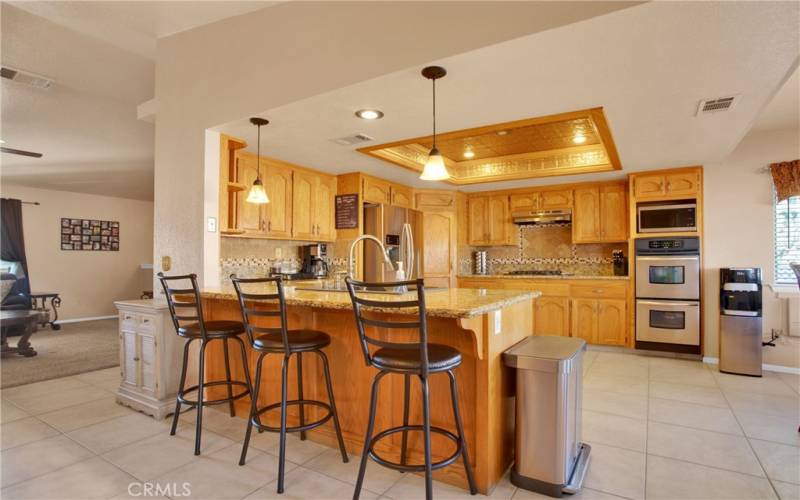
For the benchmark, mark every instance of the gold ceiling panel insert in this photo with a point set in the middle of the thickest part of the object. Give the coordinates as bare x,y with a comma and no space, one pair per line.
577,142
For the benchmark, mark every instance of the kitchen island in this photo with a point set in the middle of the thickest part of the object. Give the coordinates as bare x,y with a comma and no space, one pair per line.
479,323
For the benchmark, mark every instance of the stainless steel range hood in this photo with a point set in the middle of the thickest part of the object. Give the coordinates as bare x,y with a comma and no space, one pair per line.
524,217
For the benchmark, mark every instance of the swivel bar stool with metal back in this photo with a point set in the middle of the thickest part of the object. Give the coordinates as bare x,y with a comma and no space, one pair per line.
411,358
186,310
255,296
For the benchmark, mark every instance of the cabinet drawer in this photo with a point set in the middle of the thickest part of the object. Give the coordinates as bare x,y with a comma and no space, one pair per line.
435,200
146,323
615,290
480,283
128,320
548,289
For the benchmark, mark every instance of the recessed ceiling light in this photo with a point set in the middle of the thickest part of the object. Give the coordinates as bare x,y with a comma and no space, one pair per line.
579,139
502,132
369,114
469,153
2,141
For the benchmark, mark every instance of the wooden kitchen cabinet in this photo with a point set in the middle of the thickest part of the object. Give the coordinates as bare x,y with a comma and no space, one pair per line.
600,214
376,190
586,217
611,321
551,316
312,206
401,196
541,200
490,220
277,214
439,241
674,184
434,200
249,216
584,320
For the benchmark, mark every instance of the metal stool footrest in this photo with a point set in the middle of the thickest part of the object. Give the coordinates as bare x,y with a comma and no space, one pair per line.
183,400
292,402
414,467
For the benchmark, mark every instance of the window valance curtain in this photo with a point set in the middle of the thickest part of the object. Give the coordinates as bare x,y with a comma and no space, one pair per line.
786,177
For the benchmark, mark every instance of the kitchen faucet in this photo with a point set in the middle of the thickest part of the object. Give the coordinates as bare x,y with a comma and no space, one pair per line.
351,263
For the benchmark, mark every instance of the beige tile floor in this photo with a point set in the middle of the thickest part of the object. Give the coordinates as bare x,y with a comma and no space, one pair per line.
660,428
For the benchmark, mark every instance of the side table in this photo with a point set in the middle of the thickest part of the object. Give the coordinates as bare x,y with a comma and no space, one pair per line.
39,302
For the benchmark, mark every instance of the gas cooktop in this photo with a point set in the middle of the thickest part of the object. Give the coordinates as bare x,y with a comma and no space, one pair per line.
536,272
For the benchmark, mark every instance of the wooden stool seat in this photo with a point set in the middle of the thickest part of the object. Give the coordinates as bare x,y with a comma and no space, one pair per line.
299,341
440,358
214,329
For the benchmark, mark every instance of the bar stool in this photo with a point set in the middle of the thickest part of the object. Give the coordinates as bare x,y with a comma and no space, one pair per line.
186,310
253,295
411,358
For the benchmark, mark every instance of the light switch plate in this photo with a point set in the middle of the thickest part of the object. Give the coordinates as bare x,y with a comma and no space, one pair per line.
166,263
212,224
498,322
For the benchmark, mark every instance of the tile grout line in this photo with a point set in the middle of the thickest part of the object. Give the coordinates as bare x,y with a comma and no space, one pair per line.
647,432
753,451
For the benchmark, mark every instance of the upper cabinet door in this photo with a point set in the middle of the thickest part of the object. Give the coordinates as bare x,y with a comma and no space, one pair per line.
683,183
401,196
586,217
303,190
526,201
249,216
649,186
435,200
439,244
555,199
499,220
377,191
613,212
478,232
323,209
278,212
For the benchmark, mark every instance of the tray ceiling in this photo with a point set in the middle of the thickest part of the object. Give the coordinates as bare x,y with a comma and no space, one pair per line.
577,142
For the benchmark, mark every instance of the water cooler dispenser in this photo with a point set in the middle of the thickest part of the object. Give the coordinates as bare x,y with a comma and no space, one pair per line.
740,338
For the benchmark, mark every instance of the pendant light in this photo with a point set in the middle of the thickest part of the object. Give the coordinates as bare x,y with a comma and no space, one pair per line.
257,194
435,169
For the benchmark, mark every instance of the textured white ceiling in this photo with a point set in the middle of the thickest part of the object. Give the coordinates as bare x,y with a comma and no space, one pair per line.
135,26
783,111
647,65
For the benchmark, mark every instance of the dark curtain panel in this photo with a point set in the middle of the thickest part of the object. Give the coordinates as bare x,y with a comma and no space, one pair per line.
12,241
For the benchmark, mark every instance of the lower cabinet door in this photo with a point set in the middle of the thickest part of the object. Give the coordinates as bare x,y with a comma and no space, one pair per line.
147,362
611,321
551,316
584,319
129,357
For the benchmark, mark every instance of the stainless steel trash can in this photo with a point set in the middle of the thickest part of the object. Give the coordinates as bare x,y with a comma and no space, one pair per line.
549,455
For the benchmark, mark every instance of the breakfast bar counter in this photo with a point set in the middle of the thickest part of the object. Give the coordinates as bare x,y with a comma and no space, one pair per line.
481,324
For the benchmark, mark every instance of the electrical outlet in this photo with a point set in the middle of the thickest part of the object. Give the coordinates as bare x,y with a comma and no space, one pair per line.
278,252
166,263
212,224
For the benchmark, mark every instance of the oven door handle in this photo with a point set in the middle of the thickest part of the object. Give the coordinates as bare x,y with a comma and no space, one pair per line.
648,258
668,303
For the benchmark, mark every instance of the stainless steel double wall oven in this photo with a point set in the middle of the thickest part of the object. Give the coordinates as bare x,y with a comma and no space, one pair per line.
668,294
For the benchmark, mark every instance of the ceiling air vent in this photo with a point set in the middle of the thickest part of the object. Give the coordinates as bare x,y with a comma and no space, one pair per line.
716,105
24,77
351,140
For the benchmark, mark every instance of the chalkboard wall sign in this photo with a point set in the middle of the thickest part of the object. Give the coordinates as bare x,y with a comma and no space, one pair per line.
89,234
347,211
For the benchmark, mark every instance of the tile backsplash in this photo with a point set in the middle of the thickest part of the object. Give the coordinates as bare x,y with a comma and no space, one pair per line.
254,257
546,247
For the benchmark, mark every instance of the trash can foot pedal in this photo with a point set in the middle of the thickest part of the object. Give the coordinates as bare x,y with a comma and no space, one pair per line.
579,471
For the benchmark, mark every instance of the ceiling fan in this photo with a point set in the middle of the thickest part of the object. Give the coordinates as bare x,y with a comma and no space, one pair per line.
20,152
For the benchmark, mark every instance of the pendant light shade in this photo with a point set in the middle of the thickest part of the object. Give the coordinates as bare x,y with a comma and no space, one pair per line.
434,169
257,194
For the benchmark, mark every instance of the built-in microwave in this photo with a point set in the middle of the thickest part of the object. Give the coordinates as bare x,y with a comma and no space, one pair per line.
671,217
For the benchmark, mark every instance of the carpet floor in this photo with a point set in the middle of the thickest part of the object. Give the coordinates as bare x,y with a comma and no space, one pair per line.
76,348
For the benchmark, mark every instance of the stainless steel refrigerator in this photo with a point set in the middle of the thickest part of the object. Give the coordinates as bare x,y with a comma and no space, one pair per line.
387,224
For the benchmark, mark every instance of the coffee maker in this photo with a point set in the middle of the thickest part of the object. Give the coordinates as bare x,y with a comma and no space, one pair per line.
314,260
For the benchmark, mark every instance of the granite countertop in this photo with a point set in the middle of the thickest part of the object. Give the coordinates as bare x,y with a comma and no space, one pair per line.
443,303
544,277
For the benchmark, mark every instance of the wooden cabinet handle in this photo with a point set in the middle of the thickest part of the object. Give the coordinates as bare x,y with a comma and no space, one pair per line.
598,290
136,359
